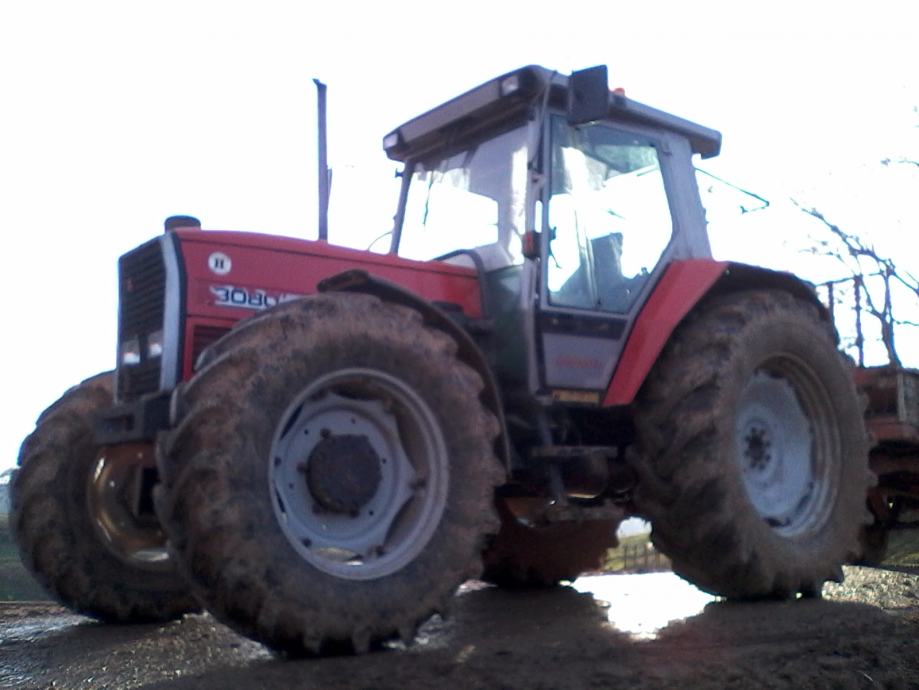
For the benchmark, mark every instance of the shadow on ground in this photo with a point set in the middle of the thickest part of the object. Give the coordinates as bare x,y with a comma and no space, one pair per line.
494,640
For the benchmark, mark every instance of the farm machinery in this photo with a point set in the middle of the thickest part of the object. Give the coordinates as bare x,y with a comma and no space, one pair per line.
319,445
891,399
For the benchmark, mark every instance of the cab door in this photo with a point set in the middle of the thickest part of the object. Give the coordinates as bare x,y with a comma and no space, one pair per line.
609,231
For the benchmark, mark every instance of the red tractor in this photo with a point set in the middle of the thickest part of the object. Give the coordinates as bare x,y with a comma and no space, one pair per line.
319,444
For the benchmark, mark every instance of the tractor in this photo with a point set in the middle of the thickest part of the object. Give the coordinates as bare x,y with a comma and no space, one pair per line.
318,444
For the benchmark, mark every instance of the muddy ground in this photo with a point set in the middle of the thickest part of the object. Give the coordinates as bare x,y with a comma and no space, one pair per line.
863,634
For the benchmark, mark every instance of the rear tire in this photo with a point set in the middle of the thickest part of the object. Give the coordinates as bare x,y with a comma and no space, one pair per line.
74,546
329,480
540,556
753,452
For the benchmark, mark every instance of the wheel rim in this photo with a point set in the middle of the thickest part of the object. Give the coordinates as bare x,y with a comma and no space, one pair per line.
120,508
787,447
359,474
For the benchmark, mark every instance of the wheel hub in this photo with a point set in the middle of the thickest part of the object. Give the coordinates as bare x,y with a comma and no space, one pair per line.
359,473
118,494
779,450
757,446
343,473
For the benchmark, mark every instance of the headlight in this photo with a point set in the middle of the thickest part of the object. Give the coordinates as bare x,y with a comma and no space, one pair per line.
129,352
155,344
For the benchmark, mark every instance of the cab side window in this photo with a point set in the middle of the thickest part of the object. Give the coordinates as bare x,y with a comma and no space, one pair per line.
608,215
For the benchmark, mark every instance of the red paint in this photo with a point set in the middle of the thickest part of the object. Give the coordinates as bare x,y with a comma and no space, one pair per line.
291,266
682,286
188,354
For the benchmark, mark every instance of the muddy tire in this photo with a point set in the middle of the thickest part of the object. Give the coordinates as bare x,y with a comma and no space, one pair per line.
539,556
752,449
329,480
73,534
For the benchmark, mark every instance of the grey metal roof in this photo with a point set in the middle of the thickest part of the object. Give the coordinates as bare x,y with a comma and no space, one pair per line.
494,101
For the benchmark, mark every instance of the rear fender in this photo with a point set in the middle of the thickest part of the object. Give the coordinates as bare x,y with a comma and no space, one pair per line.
683,286
468,351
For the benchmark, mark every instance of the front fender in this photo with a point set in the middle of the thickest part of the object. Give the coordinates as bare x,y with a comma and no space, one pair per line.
468,351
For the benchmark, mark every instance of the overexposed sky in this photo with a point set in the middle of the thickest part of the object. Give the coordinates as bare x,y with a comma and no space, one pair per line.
114,115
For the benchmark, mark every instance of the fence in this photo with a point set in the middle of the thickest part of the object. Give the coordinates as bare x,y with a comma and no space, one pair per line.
640,558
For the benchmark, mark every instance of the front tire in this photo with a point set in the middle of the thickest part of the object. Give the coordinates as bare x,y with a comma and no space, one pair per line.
329,483
752,449
74,530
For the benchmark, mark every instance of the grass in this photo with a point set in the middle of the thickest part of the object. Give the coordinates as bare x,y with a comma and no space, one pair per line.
903,550
16,584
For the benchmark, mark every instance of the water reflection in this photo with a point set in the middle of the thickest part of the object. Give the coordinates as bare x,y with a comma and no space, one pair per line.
31,628
642,605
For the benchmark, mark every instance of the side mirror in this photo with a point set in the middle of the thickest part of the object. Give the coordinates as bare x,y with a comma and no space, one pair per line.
588,95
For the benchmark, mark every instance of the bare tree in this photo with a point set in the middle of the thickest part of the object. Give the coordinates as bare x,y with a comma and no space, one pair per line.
862,261
899,161
887,162
871,274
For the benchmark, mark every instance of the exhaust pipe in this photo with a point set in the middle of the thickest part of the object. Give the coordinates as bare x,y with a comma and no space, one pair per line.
325,175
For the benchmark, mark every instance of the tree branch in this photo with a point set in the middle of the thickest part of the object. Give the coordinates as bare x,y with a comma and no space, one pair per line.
858,251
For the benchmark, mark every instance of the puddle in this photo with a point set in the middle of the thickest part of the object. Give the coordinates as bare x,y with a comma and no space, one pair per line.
33,628
642,605
26,633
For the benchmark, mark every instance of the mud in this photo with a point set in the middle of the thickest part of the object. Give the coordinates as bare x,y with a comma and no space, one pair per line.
654,632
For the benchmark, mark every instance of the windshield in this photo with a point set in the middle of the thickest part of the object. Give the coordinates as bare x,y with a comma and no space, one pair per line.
474,199
608,215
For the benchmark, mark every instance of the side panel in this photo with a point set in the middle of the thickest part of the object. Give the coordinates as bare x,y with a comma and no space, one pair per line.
198,334
579,351
682,286
230,275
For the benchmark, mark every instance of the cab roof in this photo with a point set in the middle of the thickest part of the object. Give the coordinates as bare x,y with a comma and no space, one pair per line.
510,94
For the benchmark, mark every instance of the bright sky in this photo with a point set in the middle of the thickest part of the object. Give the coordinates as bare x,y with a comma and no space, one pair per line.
114,115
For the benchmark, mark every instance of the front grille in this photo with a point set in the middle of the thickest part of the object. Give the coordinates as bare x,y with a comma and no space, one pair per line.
142,290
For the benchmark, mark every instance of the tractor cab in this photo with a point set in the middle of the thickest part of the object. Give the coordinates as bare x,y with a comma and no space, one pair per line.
570,201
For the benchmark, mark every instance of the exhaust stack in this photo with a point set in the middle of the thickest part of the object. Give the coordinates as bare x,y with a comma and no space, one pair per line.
325,175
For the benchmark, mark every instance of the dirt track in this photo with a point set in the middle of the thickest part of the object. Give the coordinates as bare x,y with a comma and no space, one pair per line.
864,634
